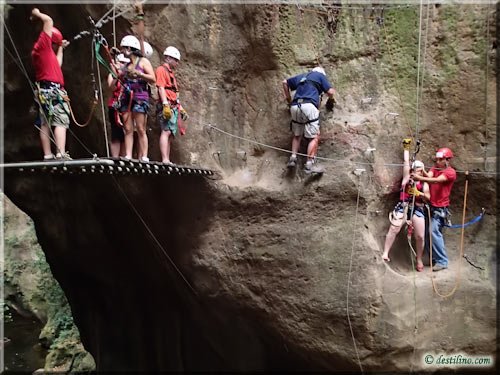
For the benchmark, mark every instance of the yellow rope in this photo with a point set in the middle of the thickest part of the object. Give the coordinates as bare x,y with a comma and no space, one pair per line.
457,282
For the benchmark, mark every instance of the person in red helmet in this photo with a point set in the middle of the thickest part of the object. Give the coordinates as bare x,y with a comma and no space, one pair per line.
440,179
53,110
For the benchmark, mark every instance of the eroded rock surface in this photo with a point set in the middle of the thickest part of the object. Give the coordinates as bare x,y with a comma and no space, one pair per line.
256,271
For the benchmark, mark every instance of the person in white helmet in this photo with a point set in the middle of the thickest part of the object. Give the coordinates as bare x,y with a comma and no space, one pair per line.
304,110
410,207
134,98
53,110
169,107
117,146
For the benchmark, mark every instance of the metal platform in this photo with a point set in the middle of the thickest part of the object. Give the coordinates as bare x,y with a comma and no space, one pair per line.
114,166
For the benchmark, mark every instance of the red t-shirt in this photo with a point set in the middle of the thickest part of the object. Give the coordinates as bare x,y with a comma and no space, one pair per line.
440,191
45,60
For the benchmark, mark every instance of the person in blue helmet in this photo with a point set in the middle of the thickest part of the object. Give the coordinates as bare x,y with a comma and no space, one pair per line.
304,111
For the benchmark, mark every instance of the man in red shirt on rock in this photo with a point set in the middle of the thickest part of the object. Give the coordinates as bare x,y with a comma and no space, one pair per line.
54,111
440,178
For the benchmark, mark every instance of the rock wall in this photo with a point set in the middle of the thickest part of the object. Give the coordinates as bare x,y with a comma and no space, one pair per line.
257,270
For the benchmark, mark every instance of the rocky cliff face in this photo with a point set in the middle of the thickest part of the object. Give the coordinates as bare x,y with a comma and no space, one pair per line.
263,270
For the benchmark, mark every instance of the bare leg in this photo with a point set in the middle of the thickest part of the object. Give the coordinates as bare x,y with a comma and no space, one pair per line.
45,139
389,240
312,148
165,141
140,122
60,134
115,148
296,143
129,134
419,231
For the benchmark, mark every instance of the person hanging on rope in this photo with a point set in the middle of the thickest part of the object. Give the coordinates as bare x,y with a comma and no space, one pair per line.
304,110
53,109
114,84
169,108
411,206
134,98
440,179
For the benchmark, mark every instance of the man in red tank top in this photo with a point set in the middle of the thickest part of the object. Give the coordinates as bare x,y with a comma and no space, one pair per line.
440,178
54,111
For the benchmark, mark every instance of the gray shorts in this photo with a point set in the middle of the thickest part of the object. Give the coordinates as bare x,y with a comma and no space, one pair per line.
53,110
301,114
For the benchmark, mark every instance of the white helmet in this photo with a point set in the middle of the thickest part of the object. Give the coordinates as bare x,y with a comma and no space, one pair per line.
319,69
121,58
130,41
148,50
172,52
417,164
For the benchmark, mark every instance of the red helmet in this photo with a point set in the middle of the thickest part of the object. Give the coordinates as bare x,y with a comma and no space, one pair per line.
57,36
444,152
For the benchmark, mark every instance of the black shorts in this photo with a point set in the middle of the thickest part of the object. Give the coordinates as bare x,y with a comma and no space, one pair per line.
117,133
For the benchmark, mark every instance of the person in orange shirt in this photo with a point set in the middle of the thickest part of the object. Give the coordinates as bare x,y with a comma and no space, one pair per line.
169,108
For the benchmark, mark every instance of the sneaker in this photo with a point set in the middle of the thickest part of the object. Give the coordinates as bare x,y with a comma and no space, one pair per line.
145,159
438,267
49,157
317,169
64,156
292,162
308,167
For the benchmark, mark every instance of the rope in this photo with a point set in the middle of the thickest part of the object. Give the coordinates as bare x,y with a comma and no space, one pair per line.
320,157
102,107
418,68
154,237
349,274
486,131
114,23
457,281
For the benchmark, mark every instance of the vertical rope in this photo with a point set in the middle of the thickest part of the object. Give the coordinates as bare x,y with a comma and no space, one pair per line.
102,108
486,131
349,275
423,68
114,23
417,111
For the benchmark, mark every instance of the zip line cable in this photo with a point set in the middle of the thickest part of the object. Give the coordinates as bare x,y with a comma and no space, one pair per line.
349,275
102,107
179,272
210,126
417,108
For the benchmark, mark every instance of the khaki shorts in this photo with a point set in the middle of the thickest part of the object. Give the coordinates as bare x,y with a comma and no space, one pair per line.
301,113
56,114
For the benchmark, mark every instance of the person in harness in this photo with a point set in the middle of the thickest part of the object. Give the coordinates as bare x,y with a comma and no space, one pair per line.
117,133
440,179
304,111
410,207
169,108
50,93
134,97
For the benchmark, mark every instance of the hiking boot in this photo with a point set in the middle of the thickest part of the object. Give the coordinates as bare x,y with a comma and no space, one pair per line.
438,267
308,167
64,156
292,162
